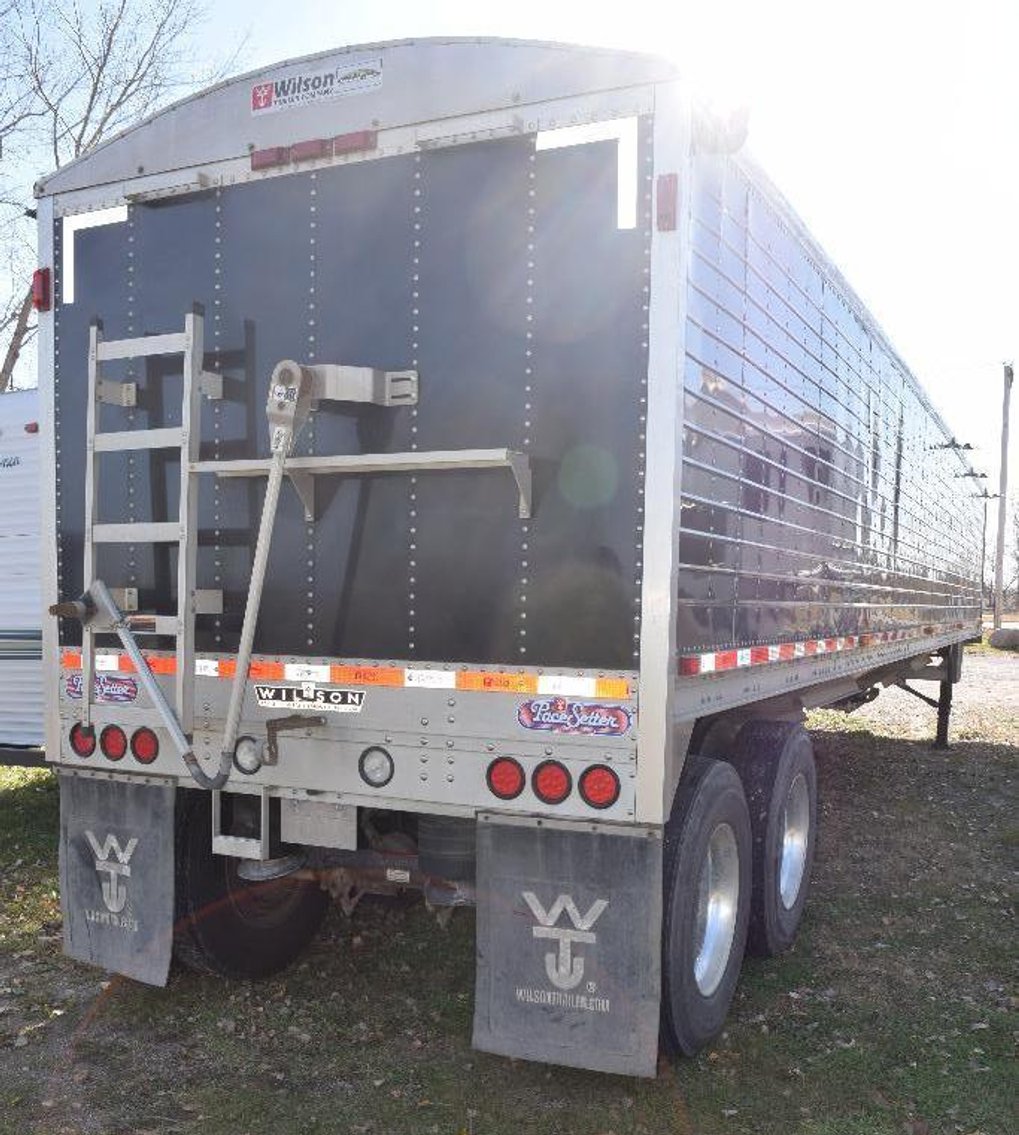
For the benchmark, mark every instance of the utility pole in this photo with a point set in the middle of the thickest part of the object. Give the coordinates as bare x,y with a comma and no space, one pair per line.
999,559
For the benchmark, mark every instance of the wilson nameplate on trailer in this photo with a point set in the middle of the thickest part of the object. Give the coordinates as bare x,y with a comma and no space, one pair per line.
309,696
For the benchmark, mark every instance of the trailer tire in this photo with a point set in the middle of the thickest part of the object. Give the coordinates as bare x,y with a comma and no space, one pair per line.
226,925
706,905
775,761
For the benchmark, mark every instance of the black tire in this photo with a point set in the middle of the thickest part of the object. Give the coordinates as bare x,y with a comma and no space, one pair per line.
769,756
709,798
227,925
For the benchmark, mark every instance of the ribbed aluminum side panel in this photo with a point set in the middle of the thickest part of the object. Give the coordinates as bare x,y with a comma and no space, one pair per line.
819,496
21,700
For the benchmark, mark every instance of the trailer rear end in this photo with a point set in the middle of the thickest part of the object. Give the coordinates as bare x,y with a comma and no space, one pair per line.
464,471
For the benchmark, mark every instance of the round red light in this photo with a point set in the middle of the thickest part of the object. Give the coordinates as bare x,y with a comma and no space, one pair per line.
83,741
551,782
113,742
505,778
599,786
144,745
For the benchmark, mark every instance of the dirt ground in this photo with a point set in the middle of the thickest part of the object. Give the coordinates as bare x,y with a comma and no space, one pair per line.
895,1011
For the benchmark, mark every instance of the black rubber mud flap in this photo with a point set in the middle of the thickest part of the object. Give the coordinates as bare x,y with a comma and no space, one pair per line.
569,943
116,875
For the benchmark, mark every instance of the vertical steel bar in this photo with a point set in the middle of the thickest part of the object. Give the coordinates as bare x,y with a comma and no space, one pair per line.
187,552
91,503
281,442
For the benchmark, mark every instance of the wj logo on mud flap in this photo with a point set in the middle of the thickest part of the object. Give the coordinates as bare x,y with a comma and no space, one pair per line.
564,970
113,871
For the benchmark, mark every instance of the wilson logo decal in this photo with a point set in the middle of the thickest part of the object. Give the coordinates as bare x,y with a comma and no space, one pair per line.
563,969
316,86
560,715
116,870
310,696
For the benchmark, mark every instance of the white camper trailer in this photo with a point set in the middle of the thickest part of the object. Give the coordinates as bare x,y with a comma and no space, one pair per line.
20,598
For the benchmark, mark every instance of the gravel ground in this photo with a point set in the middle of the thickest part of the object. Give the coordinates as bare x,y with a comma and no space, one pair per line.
985,698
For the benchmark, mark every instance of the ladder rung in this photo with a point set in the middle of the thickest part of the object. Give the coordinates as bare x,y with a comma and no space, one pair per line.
170,438
143,533
142,347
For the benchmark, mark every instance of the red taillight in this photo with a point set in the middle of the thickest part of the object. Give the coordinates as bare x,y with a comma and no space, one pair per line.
83,741
113,742
505,778
41,289
551,782
599,786
144,745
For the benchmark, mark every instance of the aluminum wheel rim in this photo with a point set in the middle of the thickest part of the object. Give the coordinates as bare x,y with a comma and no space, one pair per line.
717,902
795,835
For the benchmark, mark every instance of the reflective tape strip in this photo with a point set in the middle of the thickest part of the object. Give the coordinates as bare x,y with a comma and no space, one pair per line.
565,685
616,688
366,675
732,659
430,679
494,681
305,672
395,677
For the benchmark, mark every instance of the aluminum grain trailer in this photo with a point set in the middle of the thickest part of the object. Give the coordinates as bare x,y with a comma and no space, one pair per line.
463,471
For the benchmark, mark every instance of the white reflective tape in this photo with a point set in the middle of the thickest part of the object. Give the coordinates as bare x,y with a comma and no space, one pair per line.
430,679
107,662
207,667
305,672
567,685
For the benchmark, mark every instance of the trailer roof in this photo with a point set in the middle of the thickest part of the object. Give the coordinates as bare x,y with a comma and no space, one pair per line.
377,86
366,86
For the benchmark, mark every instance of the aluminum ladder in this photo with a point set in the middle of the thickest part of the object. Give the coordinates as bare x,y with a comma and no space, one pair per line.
183,532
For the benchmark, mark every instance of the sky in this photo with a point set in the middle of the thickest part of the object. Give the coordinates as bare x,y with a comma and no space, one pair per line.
891,125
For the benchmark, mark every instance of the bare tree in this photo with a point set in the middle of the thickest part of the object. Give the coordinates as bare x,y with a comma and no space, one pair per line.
70,78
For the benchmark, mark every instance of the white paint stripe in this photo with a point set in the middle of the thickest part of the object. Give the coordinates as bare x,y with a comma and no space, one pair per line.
430,679
567,685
